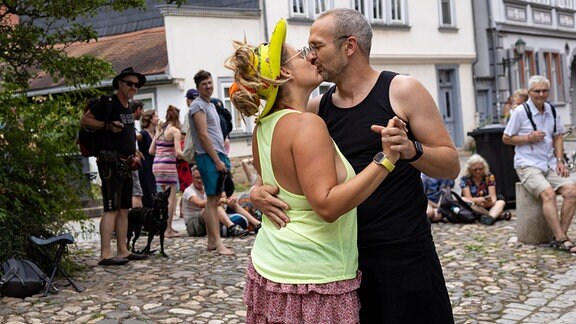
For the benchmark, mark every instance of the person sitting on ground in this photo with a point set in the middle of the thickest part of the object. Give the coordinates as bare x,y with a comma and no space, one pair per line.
251,174
232,206
192,209
433,189
479,188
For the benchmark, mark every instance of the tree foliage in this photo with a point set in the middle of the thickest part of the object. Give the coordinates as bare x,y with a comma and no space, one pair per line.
40,175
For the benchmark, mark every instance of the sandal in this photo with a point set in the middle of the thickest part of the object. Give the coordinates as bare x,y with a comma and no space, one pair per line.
506,215
564,245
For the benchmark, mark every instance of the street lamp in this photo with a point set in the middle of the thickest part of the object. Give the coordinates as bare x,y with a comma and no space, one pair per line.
507,62
520,47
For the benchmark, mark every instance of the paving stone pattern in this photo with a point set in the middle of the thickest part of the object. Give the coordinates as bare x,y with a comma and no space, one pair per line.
491,278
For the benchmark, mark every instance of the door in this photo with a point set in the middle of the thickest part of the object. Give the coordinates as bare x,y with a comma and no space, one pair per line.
448,103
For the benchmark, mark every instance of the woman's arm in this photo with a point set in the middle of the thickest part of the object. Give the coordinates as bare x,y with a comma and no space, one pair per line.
493,196
152,149
177,135
314,153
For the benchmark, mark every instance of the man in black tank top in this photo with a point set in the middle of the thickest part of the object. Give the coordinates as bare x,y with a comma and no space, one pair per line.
402,280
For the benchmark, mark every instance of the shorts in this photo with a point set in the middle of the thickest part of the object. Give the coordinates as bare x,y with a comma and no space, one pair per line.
195,225
536,181
136,187
209,173
116,185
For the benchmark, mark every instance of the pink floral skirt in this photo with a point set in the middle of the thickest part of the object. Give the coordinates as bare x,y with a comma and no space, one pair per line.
272,302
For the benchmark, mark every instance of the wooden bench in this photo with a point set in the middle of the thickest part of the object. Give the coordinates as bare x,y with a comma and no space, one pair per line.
531,226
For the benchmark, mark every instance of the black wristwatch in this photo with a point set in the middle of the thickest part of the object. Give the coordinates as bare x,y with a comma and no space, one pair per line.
419,152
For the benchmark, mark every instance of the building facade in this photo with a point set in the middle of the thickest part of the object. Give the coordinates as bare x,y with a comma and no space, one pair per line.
430,40
548,32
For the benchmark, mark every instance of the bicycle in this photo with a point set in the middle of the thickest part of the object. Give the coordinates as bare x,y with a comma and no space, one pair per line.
570,159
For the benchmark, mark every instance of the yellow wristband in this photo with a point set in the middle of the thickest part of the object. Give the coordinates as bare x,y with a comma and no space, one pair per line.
388,165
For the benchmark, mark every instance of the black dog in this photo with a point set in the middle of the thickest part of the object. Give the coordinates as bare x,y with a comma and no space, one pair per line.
153,220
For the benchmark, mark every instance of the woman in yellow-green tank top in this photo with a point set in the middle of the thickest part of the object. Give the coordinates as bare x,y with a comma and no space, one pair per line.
307,271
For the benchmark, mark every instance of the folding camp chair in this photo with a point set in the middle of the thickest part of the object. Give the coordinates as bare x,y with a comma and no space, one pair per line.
62,240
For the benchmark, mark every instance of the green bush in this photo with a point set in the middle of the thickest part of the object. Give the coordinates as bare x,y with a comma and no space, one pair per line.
40,173
40,176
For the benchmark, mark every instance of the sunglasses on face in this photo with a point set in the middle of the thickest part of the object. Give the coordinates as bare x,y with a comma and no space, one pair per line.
477,169
302,52
132,84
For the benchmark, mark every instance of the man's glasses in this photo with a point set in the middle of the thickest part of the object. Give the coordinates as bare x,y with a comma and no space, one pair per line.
132,84
540,91
313,48
302,52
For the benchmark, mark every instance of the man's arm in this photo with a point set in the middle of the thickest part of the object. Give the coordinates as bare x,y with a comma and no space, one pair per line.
202,129
414,104
558,142
517,140
90,121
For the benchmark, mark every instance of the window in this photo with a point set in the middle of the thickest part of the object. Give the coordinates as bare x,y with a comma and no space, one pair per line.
568,4
147,99
322,89
447,13
526,68
516,13
554,73
390,12
309,9
239,126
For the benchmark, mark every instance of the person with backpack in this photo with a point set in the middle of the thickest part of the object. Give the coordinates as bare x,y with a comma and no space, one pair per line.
117,145
210,155
225,121
536,131
433,189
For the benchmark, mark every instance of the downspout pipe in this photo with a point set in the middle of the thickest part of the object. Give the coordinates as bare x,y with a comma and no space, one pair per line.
494,36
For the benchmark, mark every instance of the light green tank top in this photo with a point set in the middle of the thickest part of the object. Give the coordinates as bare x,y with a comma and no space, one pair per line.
308,249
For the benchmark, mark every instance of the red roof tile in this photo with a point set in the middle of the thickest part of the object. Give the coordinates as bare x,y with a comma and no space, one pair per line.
144,50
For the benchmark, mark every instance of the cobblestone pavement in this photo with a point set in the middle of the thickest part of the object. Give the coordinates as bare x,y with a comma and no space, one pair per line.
490,277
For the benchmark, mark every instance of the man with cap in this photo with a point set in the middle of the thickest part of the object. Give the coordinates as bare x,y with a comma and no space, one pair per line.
118,144
191,94
211,157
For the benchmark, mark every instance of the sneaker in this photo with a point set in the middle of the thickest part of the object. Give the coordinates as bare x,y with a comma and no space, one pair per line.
236,231
487,220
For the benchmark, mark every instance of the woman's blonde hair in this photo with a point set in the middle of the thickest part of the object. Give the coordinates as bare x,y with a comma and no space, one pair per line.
476,158
246,99
173,116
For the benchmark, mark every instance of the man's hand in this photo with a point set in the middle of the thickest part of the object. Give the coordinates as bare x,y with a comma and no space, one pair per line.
536,136
395,139
232,200
220,166
562,170
264,199
115,126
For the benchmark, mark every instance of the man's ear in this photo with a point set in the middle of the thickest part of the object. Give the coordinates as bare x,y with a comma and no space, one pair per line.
351,45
